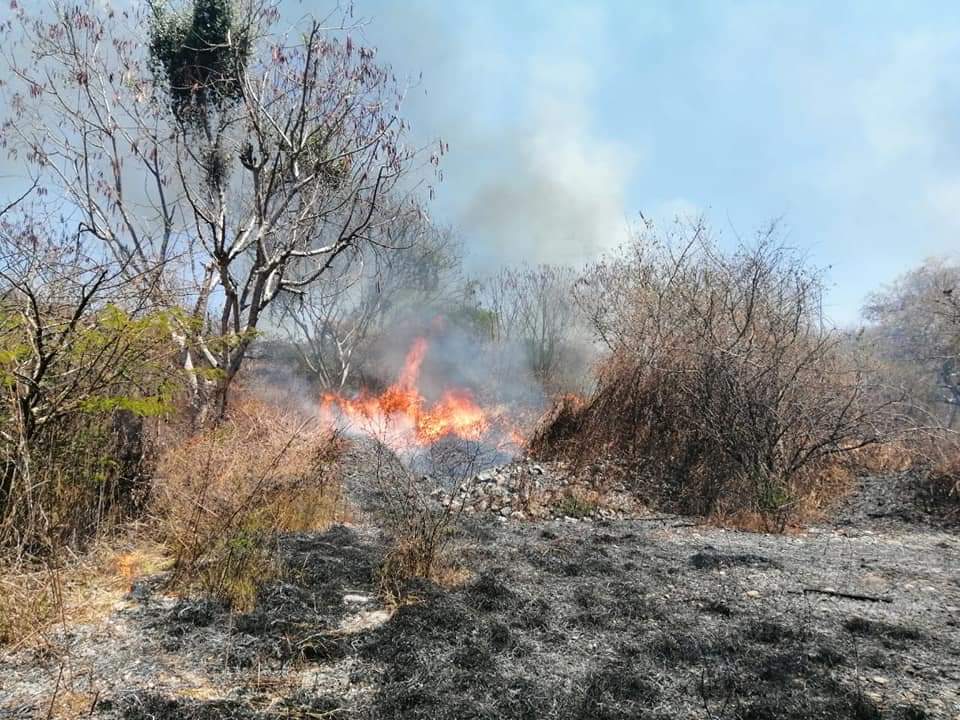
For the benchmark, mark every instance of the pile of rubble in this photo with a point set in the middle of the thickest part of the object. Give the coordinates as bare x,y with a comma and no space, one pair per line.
531,491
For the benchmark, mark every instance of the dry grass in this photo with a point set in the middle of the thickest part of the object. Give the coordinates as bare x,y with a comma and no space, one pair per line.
223,494
217,499
942,482
931,455
411,557
893,456
37,599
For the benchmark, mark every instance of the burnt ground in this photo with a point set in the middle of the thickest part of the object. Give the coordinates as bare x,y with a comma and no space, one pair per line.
642,618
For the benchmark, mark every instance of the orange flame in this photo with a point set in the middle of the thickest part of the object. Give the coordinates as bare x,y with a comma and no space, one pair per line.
403,415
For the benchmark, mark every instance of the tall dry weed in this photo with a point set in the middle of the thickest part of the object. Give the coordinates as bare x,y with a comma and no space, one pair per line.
222,495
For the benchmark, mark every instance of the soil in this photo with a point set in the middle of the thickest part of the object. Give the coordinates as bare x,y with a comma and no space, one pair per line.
649,617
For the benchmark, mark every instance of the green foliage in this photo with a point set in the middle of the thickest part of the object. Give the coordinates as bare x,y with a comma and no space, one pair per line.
476,321
202,54
75,393
576,507
151,406
133,352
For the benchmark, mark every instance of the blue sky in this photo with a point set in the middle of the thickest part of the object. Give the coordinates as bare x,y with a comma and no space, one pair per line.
566,119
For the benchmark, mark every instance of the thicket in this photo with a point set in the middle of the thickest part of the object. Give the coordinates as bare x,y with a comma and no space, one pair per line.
725,389
83,365
913,330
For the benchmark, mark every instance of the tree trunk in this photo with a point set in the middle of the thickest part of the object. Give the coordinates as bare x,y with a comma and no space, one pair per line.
232,361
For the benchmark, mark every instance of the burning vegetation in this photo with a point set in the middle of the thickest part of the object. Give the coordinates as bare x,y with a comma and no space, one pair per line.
404,420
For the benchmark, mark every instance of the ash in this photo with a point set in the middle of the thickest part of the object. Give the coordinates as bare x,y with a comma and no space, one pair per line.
645,616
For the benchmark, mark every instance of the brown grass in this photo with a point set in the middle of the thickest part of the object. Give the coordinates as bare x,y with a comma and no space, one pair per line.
37,599
223,494
217,499
894,456
932,456
411,557
941,482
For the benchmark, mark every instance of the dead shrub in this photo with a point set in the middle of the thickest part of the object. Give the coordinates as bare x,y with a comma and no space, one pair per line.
724,390
223,494
937,464
943,484
929,456
420,530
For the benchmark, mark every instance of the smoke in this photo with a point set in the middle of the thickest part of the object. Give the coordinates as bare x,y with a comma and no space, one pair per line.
530,175
557,195
457,358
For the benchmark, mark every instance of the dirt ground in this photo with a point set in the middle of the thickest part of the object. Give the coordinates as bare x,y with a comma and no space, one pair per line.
653,617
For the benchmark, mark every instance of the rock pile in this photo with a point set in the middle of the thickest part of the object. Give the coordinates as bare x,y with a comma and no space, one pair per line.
526,490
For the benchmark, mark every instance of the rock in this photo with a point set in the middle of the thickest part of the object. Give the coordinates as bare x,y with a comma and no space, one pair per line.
752,594
506,511
364,621
518,515
356,599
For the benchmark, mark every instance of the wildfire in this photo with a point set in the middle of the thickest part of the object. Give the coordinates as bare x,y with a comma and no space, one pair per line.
404,417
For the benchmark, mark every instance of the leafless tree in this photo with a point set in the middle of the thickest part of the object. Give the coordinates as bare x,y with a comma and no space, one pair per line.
208,151
914,323
407,268
534,307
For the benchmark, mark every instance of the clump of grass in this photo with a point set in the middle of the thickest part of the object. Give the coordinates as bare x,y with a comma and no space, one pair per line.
29,603
225,494
576,506
419,555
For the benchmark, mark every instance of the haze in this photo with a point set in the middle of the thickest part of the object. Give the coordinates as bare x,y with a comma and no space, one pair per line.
566,120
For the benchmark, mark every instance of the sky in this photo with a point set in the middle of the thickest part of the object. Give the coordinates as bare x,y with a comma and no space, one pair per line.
565,120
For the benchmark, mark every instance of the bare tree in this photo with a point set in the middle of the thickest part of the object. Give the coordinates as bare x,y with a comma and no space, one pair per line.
406,269
208,152
915,327
534,307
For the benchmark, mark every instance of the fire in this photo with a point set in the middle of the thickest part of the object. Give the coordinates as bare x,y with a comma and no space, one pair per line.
403,417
